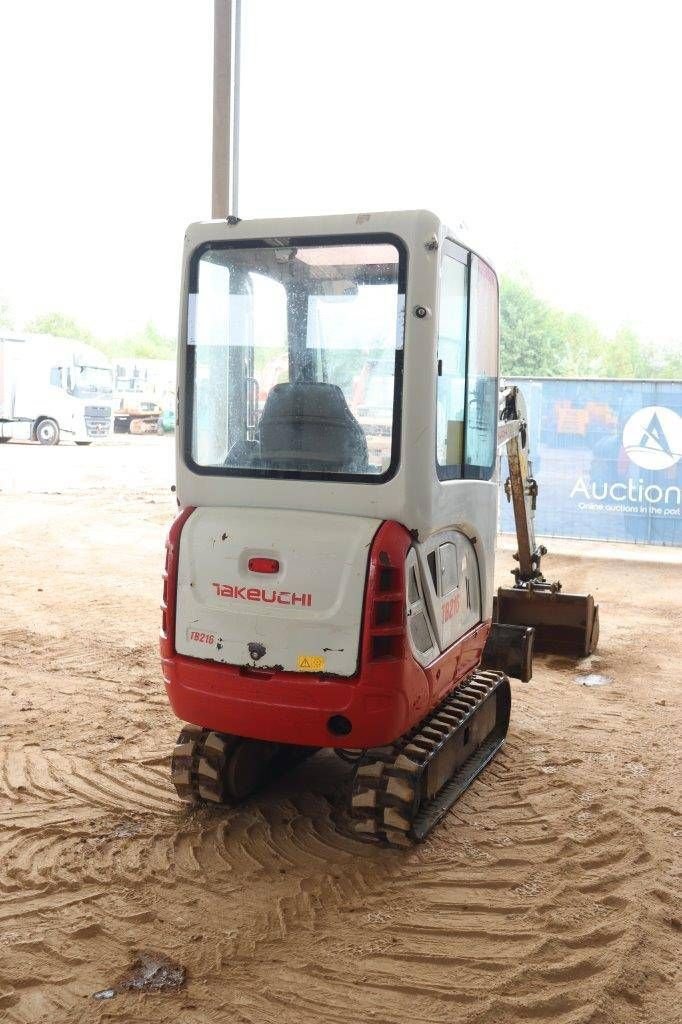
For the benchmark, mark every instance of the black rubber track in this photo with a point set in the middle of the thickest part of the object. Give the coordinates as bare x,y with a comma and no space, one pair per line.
398,795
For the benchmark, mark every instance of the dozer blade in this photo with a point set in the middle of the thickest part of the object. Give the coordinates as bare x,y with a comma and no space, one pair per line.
565,624
401,791
510,649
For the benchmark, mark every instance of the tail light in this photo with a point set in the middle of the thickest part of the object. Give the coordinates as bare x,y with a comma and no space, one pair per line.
170,581
264,565
385,637
164,598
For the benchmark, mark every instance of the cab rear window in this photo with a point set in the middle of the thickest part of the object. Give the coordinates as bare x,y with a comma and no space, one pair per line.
295,358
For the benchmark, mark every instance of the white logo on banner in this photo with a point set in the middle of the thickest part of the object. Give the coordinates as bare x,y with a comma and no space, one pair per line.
653,437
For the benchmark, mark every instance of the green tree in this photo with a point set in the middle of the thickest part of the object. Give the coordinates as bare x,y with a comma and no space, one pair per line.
59,325
624,355
528,333
581,344
537,340
670,365
5,316
147,344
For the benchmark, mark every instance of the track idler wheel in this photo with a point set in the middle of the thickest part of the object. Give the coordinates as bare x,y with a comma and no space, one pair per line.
214,766
225,769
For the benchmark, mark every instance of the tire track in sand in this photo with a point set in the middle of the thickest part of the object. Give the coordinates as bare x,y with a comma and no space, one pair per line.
316,926
505,908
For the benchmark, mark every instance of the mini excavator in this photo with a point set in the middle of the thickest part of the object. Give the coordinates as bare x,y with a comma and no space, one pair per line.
329,577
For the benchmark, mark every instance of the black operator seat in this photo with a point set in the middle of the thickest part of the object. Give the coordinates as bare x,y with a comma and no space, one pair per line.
309,427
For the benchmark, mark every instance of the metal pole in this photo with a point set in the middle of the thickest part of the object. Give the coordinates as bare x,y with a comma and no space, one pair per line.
226,47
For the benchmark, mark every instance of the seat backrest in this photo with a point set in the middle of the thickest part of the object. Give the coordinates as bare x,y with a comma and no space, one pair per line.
310,427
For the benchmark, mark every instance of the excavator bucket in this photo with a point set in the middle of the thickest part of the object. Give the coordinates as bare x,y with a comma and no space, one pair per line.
565,624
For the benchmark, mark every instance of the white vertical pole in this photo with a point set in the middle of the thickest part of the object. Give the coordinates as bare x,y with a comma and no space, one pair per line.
226,46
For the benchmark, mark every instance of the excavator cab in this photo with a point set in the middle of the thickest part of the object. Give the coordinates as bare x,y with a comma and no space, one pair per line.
329,579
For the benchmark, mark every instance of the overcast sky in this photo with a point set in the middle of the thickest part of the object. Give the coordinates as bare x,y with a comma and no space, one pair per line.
551,129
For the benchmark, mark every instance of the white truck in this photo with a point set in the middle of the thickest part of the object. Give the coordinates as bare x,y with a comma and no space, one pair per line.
54,389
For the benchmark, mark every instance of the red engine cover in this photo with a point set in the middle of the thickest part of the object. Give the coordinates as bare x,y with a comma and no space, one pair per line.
390,693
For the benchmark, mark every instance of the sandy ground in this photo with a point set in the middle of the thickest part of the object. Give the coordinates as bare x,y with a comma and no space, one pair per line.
548,893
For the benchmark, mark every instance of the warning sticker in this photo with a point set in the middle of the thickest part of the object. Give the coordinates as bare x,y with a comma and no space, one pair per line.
311,663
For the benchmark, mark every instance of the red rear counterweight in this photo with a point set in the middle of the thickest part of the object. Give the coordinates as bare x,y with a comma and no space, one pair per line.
389,693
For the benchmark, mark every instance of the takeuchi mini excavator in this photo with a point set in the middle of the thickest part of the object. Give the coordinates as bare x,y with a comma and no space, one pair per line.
329,578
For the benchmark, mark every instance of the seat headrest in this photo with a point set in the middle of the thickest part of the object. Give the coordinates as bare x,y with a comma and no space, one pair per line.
309,426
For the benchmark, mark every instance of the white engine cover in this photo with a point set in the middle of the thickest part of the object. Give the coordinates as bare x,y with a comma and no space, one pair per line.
304,618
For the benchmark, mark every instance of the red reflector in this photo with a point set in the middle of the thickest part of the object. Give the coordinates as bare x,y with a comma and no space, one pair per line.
263,565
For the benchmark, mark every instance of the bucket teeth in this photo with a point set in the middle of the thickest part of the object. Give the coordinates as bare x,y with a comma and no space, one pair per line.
398,799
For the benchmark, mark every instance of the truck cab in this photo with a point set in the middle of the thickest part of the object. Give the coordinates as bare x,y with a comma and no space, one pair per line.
54,389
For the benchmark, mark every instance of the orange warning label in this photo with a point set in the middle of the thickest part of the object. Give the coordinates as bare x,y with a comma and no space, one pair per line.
311,663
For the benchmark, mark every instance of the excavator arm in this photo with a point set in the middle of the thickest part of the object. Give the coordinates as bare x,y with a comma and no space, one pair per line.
562,623
521,488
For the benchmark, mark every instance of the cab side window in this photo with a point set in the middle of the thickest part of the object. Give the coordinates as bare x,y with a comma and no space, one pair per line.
480,424
450,397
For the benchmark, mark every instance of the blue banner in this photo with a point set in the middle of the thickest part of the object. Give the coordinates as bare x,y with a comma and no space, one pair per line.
607,455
